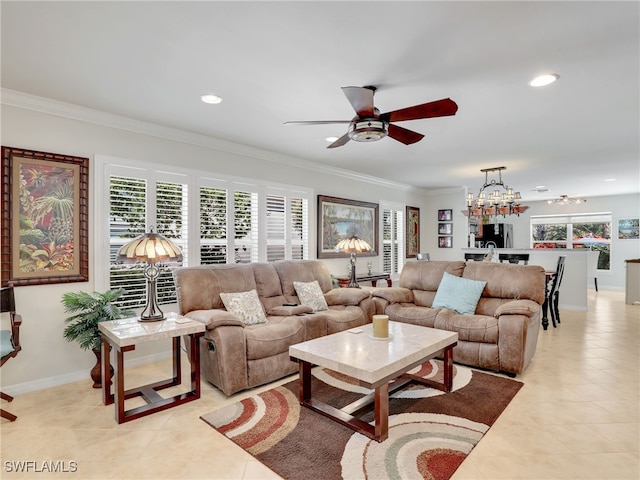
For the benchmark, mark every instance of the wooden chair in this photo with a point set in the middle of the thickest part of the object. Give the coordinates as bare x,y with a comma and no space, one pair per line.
476,257
552,296
9,339
592,268
514,257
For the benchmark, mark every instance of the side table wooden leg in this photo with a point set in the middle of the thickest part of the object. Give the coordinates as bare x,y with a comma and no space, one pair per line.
119,385
107,399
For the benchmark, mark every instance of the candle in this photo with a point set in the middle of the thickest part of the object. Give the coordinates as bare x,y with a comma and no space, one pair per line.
381,326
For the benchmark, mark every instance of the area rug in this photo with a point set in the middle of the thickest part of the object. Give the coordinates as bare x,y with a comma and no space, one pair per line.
430,432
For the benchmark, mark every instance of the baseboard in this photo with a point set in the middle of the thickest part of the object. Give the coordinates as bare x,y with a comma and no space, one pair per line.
80,375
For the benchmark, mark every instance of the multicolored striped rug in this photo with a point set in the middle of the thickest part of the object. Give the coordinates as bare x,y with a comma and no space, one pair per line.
430,432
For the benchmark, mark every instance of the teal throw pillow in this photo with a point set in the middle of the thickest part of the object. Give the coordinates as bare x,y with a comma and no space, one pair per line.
459,294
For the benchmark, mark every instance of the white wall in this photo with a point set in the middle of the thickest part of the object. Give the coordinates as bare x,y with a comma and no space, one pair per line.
47,359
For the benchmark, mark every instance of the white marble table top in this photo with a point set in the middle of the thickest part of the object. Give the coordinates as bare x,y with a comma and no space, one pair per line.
370,360
130,331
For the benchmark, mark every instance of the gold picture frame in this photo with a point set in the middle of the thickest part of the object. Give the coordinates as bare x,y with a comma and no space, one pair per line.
340,218
45,218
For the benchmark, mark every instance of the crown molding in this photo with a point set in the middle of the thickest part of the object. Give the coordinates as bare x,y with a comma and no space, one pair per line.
71,111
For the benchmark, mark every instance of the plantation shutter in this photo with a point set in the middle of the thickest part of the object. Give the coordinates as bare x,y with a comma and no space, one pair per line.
245,226
299,228
276,227
172,208
392,240
213,225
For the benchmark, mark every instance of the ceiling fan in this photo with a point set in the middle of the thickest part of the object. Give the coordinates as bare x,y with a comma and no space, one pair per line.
370,125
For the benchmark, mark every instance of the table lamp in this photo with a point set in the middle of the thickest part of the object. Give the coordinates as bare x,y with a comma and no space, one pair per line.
151,248
353,245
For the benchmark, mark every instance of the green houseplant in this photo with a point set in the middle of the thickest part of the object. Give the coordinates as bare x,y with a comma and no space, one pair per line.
88,310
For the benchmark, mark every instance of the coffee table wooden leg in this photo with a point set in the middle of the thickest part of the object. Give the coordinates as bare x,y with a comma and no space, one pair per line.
448,369
304,387
382,412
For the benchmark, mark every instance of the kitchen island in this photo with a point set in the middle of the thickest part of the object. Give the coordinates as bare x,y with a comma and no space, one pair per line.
578,270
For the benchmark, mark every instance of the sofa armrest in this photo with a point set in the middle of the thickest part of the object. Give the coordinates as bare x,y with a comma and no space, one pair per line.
215,318
394,294
346,296
527,308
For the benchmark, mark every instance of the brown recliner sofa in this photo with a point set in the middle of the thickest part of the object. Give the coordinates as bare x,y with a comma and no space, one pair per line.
235,356
502,334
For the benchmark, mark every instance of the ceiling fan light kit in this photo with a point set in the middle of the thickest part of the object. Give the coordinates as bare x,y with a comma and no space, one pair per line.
369,125
367,130
566,200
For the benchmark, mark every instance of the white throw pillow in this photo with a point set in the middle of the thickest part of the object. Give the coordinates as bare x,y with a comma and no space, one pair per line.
310,294
245,305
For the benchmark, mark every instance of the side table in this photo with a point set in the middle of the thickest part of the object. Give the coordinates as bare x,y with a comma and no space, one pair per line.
343,280
123,335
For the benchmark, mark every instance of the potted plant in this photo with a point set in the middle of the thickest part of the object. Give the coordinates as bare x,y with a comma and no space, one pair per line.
88,310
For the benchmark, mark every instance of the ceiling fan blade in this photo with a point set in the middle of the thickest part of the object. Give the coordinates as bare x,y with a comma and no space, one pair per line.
403,135
317,122
439,108
341,141
361,99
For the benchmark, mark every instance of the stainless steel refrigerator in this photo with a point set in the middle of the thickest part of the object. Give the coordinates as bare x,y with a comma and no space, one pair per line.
501,234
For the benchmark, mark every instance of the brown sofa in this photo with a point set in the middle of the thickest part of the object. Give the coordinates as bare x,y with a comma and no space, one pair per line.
501,335
235,356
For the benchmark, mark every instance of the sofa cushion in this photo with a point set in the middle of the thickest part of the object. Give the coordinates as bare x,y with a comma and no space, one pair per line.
459,294
470,328
288,310
310,294
245,305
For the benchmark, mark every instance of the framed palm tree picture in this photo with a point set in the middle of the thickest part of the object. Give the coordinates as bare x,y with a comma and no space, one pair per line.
45,212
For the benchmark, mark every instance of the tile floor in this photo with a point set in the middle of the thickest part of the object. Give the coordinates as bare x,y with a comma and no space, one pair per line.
577,417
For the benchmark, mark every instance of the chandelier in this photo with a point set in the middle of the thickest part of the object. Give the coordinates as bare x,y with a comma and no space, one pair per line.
565,200
505,202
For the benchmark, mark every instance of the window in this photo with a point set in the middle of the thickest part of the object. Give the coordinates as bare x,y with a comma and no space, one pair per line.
392,240
212,220
135,203
287,227
592,231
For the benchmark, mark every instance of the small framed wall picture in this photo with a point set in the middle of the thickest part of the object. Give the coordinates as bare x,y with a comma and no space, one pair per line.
445,242
445,228
445,215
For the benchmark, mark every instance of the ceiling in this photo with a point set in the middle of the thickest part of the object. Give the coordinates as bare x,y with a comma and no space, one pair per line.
274,62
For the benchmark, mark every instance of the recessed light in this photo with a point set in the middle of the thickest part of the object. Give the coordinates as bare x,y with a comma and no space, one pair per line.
543,80
211,98
331,139
609,179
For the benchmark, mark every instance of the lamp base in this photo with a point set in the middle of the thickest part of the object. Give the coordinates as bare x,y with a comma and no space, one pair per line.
353,283
151,319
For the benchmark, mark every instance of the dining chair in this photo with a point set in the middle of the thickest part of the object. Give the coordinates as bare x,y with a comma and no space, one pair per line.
514,258
592,267
476,257
9,339
552,297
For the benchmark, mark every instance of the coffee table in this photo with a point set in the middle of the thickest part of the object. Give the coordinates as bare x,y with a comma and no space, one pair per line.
378,364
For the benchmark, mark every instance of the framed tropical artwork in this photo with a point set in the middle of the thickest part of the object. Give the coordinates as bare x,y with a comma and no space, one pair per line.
413,232
341,218
45,215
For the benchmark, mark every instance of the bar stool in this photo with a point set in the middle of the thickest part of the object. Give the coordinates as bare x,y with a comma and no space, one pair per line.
514,257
